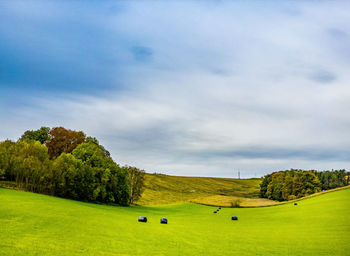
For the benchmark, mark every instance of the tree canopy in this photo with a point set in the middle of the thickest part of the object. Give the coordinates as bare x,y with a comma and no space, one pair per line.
68,164
63,141
292,184
41,135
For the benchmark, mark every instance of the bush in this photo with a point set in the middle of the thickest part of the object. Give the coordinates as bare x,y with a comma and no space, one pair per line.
292,197
236,203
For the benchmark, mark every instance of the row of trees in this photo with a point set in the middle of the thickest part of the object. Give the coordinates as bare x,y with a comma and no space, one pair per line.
333,179
292,184
68,164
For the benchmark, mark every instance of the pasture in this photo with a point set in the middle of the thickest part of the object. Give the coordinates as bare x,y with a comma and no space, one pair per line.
165,189
34,224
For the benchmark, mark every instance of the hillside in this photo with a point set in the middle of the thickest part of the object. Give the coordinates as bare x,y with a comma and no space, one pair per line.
165,189
34,224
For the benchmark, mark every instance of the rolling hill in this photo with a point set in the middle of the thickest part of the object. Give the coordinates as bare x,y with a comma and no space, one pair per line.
35,224
164,189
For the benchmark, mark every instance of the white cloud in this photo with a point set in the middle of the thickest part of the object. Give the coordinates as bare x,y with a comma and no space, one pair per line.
229,86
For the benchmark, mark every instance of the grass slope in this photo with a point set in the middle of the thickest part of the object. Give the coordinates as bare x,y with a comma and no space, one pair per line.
165,189
33,224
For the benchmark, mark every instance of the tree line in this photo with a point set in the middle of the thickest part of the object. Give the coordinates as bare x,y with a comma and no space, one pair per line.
67,163
293,184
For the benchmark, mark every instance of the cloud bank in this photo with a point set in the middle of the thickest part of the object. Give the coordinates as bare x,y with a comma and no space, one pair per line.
185,88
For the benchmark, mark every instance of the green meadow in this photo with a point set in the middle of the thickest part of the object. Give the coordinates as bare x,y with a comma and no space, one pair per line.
34,224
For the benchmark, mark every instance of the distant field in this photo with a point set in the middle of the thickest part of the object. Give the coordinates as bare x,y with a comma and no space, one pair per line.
165,189
34,224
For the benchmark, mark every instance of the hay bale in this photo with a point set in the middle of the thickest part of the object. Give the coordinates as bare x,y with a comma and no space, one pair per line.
295,204
142,219
163,221
234,218
215,211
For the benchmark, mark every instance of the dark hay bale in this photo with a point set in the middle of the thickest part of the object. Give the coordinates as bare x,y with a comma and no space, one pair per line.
142,219
295,204
163,221
219,207
234,218
215,211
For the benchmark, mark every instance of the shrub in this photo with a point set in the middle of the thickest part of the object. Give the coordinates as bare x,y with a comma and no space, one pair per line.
292,197
236,203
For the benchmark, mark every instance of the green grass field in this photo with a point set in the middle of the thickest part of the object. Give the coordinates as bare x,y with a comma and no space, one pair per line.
33,224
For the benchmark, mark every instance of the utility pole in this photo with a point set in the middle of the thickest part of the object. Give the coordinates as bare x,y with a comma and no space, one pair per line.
239,175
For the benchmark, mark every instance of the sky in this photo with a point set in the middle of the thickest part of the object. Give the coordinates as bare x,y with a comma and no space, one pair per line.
192,88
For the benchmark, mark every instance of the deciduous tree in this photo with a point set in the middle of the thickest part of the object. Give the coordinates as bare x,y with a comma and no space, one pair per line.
41,135
63,141
110,182
136,181
290,184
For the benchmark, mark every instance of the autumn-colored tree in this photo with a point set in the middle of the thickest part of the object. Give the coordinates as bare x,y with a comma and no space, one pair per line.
63,141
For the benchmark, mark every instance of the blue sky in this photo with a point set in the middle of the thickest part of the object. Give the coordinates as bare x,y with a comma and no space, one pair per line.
179,87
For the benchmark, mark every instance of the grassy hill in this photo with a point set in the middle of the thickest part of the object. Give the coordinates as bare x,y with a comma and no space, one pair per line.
34,224
165,189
